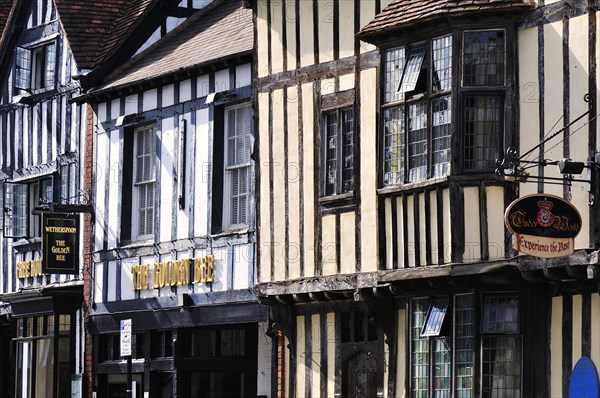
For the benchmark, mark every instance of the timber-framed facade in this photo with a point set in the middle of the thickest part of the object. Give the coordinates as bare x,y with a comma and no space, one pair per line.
174,243
382,247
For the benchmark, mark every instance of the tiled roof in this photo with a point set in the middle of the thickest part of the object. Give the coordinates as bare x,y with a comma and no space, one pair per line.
5,6
219,33
404,13
95,28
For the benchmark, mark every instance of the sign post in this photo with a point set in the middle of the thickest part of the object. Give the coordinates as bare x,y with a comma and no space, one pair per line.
126,352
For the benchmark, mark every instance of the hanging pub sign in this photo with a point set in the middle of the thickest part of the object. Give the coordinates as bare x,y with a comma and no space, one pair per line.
543,225
60,243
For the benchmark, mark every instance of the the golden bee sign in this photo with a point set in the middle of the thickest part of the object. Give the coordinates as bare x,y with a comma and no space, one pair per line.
173,273
543,225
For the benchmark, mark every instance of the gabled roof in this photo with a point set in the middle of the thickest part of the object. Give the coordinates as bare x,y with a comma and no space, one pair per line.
95,28
404,13
219,33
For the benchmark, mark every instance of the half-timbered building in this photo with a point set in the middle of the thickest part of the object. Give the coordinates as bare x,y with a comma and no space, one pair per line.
174,231
382,247
42,162
49,50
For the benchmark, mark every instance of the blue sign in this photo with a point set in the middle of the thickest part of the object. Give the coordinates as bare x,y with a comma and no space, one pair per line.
584,380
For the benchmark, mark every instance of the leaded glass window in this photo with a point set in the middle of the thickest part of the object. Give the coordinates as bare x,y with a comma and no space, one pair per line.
338,151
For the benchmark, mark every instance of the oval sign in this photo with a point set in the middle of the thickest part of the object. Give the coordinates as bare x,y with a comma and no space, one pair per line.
543,215
584,380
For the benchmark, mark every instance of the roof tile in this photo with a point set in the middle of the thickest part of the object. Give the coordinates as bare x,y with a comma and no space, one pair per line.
404,13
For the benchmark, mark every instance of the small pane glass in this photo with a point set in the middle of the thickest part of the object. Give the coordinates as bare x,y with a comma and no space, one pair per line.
394,146
501,314
435,317
484,58
412,69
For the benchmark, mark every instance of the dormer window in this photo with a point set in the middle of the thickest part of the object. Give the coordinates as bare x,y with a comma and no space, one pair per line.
36,67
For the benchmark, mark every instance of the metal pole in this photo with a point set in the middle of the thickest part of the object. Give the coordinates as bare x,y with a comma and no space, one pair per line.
129,378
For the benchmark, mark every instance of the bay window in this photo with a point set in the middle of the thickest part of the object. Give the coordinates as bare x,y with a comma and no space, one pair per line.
447,345
434,105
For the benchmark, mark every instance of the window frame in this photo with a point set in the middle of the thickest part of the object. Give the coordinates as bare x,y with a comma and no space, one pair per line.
138,185
396,172
339,191
40,68
246,166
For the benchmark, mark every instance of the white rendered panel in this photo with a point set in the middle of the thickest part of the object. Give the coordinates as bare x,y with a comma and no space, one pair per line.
201,173
553,110
243,75
168,95
529,97
279,208
222,81
167,148
347,243
114,196
131,104
293,181
242,262
578,151
368,171
185,90
150,99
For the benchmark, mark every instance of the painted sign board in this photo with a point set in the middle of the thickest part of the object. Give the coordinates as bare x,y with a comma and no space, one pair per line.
543,225
584,380
60,244
125,337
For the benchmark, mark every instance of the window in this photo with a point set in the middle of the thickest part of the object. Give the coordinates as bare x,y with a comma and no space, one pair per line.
161,344
238,170
209,342
35,67
21,198
43,350
433,348
338,151
420,91
68,183
144,172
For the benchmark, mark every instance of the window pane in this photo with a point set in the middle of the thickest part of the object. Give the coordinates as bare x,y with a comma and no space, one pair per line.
442,367
501,314
394,146
233,343
412,69
442,63
441,119
417,141
482,131
394,65
464,345
501,364
50,59
44,370
331,150
15,218
484,58
23,68
347,150
435,317
419,350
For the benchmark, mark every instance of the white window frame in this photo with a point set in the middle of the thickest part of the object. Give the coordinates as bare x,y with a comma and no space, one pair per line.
138,185
228,223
